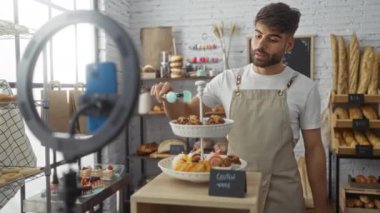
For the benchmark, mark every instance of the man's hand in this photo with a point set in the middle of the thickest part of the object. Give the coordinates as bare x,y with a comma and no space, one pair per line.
159,90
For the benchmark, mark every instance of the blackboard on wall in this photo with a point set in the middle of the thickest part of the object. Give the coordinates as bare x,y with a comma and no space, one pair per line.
301,58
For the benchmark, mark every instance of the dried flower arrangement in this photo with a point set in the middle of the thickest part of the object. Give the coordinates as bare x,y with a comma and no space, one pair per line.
219,32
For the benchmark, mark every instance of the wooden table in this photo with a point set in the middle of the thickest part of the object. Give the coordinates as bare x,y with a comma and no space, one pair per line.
165,194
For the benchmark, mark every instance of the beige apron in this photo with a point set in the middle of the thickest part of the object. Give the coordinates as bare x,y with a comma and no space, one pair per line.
262,136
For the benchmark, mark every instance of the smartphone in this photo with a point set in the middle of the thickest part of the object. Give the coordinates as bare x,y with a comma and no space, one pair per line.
100,79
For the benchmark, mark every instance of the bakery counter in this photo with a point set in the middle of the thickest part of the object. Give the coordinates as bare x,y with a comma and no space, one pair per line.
167,195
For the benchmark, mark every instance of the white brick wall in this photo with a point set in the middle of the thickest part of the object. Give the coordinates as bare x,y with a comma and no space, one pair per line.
191,18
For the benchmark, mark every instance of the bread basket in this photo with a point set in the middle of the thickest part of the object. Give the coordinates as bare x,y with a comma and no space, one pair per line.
202,131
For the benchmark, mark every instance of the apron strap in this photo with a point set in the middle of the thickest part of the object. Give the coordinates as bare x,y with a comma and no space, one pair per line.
289,84
238,81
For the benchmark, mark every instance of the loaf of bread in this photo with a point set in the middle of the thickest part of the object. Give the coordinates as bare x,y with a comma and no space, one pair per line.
355,112
373,83
353,68
334,56
164,146
366,65
369,112
342,87
349,138
360,138
341,113
7,98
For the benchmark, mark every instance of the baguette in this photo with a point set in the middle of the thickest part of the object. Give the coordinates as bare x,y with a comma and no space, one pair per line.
353,68
369,112
335,58
341,113
349,138
366,65
373,139
373,84
342,87
360,138
355,113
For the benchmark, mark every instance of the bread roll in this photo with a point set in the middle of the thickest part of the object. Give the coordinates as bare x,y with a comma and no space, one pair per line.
342,87
353,68
366,65
176,58
341,113
373,84
360,138
334,56
355,112
369,112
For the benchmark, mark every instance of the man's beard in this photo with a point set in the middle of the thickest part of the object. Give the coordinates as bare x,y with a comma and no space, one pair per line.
268,60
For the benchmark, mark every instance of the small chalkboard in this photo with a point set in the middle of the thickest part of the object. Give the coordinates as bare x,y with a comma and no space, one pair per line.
355,99
300,58
360,124
364,150
176,149
227,183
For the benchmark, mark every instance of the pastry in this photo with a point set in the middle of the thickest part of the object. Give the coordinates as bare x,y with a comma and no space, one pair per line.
183,163
97,171
85,171
29,171
176,58
7,98
12,176
350,203
335,61
369,205
207,145
108,173
221,148
353,68
360,179
355,112
176,65
2,181
341,113
366,64
372,179
164,146
215,119
194,120
157,108
369,112
146,149
364,198
234,159
218,109
10,170
342,87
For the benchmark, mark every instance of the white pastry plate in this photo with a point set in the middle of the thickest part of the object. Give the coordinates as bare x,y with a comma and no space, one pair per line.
198,177
202,131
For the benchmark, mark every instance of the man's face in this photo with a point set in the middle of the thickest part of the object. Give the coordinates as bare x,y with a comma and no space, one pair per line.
269,46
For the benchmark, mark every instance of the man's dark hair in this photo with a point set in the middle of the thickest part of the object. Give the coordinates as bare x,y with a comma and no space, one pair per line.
279,17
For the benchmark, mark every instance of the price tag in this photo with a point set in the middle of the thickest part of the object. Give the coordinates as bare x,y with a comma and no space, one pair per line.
227,183
360,124
355,99
364,150
176,149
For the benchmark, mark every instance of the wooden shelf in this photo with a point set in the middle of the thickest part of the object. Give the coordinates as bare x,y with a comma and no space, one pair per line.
344,98
347,123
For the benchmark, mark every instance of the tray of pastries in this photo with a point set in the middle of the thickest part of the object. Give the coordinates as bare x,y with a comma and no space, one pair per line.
191,126
190,167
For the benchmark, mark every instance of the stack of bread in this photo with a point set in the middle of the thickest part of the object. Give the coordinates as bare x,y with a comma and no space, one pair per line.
354,72
349,138
176,64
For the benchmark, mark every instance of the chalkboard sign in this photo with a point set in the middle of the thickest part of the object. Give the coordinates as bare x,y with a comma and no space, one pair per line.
301,57
227,183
